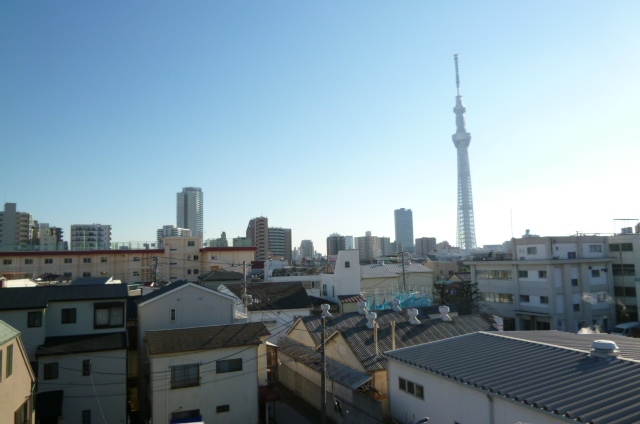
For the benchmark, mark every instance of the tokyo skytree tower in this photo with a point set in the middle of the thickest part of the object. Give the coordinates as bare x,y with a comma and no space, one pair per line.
462,139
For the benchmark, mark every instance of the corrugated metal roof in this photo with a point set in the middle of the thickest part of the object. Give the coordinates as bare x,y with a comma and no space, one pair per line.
205,338
553,373
335,371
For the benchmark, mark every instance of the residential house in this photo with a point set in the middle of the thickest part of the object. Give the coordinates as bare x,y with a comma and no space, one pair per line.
521,376
16,378
207,374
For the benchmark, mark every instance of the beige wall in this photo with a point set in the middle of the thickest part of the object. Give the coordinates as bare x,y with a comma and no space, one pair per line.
15,389
300,335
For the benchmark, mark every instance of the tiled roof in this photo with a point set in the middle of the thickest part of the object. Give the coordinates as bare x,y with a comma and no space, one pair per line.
96,342
553,379
335,371
393,269
351,298
273,296
317,301
39,297
205,338
7,332
221,275
170,287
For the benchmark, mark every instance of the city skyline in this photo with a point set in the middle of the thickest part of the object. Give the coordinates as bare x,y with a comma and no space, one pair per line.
291,97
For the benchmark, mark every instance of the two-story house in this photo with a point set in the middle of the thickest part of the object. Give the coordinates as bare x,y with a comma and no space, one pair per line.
16,379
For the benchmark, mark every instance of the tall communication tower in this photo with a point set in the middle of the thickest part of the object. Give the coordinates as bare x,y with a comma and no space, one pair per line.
462,139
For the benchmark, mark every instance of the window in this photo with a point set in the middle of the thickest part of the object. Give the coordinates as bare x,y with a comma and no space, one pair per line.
574,282
222,408
185,376
104,259
48,261
9,360
108,315
188,271
532,250
51,371
542,274
229,365
523,274
69,316
614,247
576,307
191,243
136,273
34,319
347,264
86,260
595,273
410,387
419,391
196,271
173,314
136,259
402,384
626,247
630,291
86,274
602,297
28,261
324,289
595,248
618,291
86,416
544,300
68,260
196,257
6,262
524,298
183,415
624,269
67,275
86,367
571,255
213,258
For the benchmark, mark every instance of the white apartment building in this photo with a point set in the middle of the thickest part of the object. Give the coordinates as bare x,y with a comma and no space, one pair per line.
171,231
90,237
425,245
624,251
557,283
17,229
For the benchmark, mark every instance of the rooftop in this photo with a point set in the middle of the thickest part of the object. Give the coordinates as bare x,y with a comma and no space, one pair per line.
39,297
273,296
82,343
392,269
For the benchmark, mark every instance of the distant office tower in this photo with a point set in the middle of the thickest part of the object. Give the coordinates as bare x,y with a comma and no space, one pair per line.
404,229
335,243
370,247
462,139
16,228
189,210
280,244
90,237
171,231
50,238
348,243
425,245
219,242
258,231
242,242
306,250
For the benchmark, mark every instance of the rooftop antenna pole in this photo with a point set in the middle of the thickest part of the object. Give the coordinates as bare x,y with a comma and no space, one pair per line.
323,365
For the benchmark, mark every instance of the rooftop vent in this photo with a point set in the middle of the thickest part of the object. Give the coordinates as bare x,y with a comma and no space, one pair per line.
604,349
444,313
362,308
413,316
395,305
371,319
325,311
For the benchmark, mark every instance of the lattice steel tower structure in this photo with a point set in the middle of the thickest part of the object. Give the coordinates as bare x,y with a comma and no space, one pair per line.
462,139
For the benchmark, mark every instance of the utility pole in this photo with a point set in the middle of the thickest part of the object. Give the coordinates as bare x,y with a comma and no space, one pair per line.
323,377
155,269
404,282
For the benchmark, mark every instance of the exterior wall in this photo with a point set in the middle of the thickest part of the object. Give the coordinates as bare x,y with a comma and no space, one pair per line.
345,280
416,281
447,402
84,318
442,270
103,392
627,285
277,322
90,237
15,390
31,336
339,351
237,389
299,334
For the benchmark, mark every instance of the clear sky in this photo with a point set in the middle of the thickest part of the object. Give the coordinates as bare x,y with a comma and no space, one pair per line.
324,116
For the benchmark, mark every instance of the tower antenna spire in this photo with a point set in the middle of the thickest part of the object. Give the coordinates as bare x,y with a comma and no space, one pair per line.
455,58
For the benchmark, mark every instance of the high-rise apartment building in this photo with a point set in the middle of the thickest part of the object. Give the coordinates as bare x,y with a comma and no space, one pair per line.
171,231
335,243
404,229
50,238
280,244
258,231
348,243
190,209
425,245
369,247
306,250
90,237
16,228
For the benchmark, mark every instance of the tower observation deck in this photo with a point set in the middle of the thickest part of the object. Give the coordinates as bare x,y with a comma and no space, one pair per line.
461,139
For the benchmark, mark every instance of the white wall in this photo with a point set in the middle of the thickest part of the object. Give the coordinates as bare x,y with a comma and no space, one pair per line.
84,318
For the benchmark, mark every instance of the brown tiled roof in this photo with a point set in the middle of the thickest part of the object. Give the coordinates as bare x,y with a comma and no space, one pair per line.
351,298
162,342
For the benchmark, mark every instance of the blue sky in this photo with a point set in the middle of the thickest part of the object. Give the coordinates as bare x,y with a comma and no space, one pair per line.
322,116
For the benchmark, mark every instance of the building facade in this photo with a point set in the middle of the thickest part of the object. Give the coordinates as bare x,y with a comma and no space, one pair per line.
258,232
16,378
624,250
306,250
335,243
403,219
280,244
171,231
425,245
90,237
190,210
369,247
17,229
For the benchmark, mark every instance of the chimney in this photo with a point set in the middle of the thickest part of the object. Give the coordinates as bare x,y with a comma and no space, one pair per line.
362,308
371,319
325,310
604,349
413,316
395,305
444,311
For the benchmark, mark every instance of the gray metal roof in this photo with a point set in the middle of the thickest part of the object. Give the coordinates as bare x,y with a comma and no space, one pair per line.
205,338
393,269
96,342
337,372
273,296
7,332
551,373
39,297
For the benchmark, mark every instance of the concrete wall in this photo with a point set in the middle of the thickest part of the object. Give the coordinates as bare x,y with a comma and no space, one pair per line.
31,336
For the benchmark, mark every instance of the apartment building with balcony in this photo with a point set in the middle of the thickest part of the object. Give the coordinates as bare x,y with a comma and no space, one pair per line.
90,237
557,283
624,251
17,229
258,231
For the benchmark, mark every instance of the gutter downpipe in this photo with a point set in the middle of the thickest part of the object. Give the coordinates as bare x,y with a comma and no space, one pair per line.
490,409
